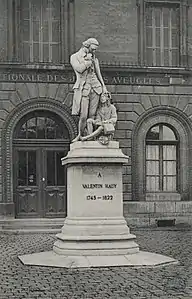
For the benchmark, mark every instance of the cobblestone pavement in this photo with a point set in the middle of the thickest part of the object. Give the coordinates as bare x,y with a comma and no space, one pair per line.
174,282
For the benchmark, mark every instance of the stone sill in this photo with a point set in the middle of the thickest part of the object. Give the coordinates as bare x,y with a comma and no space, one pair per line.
35,66
145,69
158,215
158,208
104,67
163,196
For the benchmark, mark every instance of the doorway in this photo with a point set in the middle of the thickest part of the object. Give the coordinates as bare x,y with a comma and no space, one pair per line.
41,139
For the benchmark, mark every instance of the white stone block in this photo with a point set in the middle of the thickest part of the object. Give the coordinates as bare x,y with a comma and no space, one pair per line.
95,224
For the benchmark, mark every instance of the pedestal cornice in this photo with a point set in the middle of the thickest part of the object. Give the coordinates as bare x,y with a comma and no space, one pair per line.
94,152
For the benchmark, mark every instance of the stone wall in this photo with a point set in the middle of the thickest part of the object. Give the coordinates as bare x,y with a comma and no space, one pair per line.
113,23
190,33
3,30
132,102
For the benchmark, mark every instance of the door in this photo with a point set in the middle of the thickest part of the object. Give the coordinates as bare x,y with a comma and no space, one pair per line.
40,182
54,183
26,179
41,139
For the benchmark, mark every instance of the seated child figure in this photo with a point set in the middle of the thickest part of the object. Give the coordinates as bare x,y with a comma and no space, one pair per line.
105,120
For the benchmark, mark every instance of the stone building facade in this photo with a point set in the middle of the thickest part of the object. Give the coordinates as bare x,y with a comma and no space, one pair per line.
145,55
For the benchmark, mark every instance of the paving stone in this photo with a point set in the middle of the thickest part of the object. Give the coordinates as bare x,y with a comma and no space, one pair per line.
172,282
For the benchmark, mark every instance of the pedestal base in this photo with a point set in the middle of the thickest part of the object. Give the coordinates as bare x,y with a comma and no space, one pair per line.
95,233
141,259
99,236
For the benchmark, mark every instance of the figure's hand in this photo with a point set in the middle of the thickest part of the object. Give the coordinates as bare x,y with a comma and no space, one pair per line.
89,57
98,123
88,63
105,89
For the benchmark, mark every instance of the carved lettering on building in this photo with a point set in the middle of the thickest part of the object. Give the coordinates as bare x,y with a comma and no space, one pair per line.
36,77
69,77
136,80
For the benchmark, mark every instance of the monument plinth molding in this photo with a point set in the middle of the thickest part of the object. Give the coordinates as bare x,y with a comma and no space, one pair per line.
95,224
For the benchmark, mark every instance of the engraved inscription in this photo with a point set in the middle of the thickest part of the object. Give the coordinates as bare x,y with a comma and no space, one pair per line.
92,186
104,197
98,186
110,185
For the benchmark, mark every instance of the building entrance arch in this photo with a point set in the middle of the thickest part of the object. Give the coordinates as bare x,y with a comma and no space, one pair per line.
35,139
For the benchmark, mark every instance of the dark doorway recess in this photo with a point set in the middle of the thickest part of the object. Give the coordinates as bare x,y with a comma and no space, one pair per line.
41,139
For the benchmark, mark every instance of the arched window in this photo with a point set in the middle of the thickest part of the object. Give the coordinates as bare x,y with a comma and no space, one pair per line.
161,159
42,126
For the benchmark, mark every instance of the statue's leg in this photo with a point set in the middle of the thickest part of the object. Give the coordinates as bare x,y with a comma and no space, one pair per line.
94,101
94,134
89,126
83,118
84,114
76,138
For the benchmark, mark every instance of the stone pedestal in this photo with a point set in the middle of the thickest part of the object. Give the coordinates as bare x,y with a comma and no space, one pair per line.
95,233
95,224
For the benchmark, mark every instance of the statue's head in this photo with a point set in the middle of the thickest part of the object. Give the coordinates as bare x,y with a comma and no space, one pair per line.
105,98
91,44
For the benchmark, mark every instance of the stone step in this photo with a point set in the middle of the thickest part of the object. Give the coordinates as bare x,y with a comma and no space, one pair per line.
31,231
37,225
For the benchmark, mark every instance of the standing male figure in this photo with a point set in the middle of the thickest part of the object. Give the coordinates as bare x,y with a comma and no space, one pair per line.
89,84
